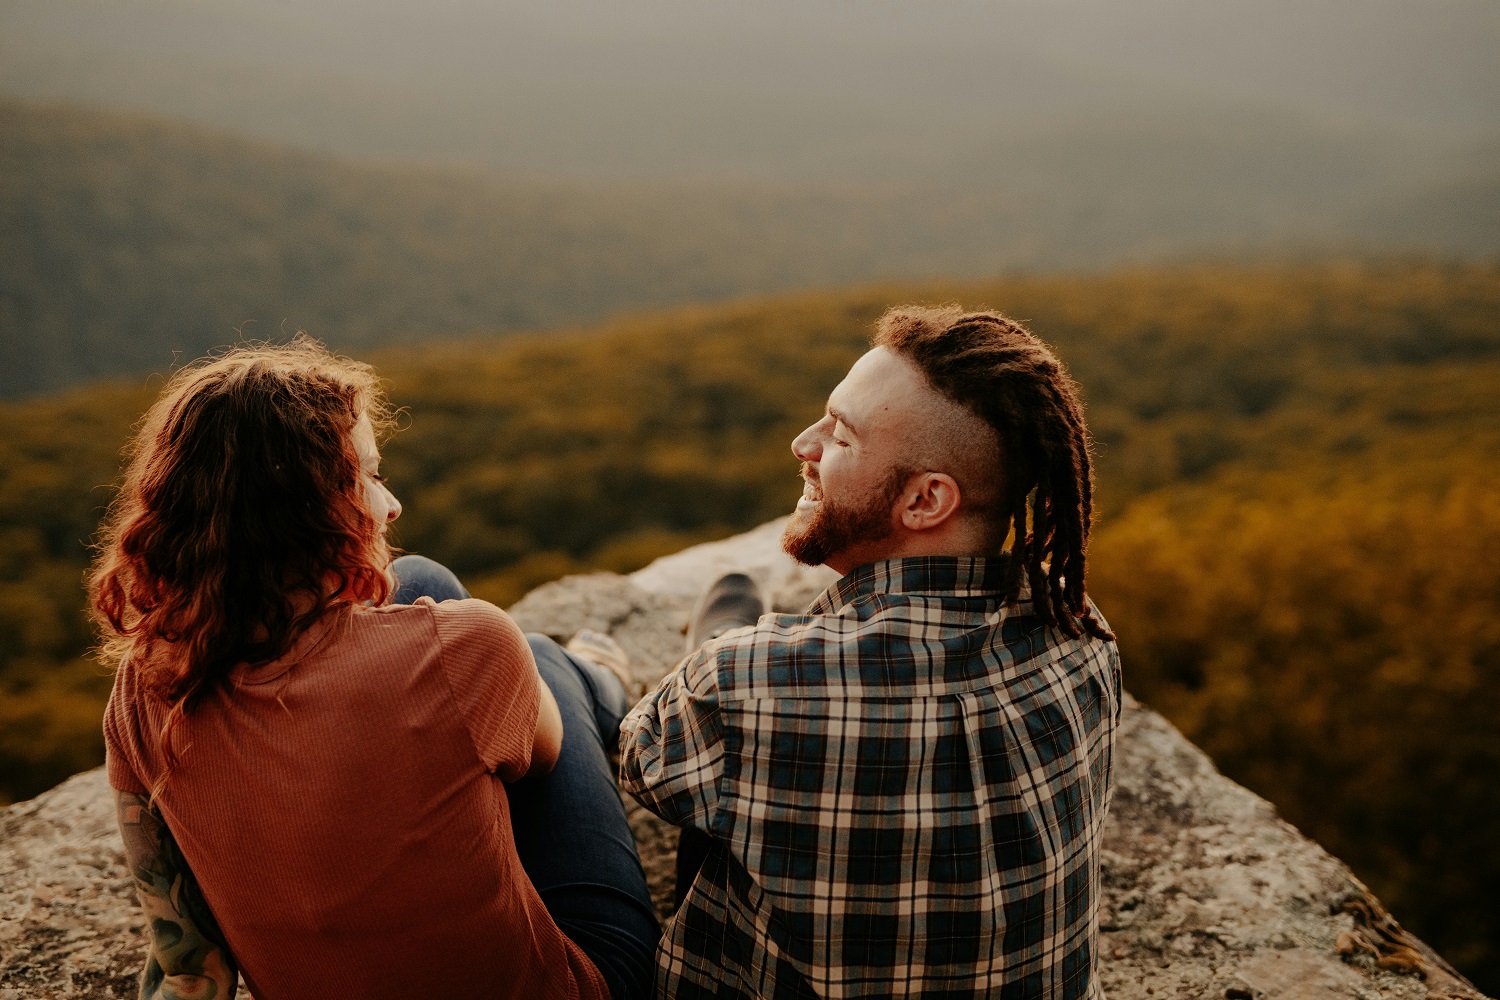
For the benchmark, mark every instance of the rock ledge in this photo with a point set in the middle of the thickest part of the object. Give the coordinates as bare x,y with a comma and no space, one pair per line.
1206,892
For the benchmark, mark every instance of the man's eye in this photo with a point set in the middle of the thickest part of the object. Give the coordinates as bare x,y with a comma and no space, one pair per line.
841,444
377,477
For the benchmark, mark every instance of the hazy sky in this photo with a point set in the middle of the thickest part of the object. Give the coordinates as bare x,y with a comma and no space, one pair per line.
780,87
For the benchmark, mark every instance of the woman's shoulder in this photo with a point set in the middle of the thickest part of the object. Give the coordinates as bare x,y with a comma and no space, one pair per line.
480,649
470,608
456,620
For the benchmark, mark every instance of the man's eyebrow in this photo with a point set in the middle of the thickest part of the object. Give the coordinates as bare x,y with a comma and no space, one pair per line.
838,415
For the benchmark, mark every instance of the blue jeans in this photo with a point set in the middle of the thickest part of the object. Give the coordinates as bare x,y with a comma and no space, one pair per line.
570,828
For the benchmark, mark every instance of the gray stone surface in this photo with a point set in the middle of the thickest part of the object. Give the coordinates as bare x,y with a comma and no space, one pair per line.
69,925
1206,892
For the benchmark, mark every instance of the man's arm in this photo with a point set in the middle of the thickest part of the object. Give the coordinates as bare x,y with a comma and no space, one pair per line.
672,745
187,958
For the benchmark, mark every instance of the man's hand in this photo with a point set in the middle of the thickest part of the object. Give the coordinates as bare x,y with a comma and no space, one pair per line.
187,957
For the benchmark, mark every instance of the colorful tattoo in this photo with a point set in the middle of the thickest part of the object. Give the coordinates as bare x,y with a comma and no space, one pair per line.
188,958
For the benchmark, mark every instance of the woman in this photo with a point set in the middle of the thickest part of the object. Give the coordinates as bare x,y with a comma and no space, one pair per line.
333,793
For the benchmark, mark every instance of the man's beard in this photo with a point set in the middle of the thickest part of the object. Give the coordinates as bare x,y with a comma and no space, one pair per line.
833,528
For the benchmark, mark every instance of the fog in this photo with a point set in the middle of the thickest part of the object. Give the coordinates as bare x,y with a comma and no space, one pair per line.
638,155
778,89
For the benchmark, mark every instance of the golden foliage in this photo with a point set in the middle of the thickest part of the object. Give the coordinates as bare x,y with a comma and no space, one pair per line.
1337,649
1299,541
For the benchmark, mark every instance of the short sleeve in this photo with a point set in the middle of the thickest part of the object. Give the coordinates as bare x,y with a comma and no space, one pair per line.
494,681
122,734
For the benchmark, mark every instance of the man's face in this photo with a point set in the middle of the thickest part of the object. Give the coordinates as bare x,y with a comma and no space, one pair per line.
853,467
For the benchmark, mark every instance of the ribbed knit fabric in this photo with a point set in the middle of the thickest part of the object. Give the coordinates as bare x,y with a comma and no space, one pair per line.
343,812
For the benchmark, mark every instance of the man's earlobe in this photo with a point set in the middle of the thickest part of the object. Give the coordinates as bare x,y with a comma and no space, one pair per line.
932,499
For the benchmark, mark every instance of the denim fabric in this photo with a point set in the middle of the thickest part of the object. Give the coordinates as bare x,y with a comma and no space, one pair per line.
419,576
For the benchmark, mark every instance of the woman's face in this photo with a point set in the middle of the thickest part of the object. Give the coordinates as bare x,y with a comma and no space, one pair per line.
384,506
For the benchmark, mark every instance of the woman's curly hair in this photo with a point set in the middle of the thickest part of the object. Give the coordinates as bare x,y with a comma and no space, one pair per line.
242,518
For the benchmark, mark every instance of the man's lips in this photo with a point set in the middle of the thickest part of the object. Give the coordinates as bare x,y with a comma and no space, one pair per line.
812,492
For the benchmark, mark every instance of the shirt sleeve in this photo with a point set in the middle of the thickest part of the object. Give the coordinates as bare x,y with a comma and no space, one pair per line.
121,731
494,681
672,744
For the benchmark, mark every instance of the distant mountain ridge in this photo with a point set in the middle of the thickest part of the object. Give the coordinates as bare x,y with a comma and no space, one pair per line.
128,242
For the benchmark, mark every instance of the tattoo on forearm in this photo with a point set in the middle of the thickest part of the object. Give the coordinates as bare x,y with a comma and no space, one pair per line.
188,957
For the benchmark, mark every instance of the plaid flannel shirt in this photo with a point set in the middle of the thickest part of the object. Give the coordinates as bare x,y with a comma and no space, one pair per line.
905,786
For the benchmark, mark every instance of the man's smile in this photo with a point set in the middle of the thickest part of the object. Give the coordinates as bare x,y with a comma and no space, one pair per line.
812,492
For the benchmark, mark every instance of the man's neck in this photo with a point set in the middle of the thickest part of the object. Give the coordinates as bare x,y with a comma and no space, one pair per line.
910,545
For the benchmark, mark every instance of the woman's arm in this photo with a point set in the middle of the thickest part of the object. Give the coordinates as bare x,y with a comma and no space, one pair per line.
547,745
187,957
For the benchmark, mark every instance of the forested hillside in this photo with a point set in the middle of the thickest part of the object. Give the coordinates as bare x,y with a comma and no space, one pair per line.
1299,541
128,241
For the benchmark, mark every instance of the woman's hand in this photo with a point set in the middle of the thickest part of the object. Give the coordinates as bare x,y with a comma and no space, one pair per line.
187,958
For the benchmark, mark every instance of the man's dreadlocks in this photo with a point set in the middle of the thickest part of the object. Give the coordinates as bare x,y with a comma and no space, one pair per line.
998,370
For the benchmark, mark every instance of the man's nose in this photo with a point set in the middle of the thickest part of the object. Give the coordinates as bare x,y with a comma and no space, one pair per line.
808,446
395,509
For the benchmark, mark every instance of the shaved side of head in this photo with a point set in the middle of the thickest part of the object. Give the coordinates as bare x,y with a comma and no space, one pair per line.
946,436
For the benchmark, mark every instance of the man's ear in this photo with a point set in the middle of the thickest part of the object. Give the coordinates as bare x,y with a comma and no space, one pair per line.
931,499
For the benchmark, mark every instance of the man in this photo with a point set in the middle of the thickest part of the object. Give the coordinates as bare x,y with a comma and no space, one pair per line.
903,789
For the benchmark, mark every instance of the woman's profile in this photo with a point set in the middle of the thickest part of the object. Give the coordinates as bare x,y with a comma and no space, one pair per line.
335,774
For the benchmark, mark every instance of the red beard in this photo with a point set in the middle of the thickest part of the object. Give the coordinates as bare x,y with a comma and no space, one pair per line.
833,528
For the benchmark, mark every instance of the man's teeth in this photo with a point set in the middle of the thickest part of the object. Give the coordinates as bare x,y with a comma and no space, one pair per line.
809,492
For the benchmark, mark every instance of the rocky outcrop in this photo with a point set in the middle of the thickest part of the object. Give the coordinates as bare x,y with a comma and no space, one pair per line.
1206,892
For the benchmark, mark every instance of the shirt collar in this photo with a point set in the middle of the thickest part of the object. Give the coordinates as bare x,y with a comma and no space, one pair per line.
302,647
946,576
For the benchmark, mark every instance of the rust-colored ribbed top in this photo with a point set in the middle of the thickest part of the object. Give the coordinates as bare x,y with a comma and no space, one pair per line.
343,812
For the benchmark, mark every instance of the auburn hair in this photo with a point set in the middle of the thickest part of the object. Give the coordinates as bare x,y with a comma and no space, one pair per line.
242,518
998,370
